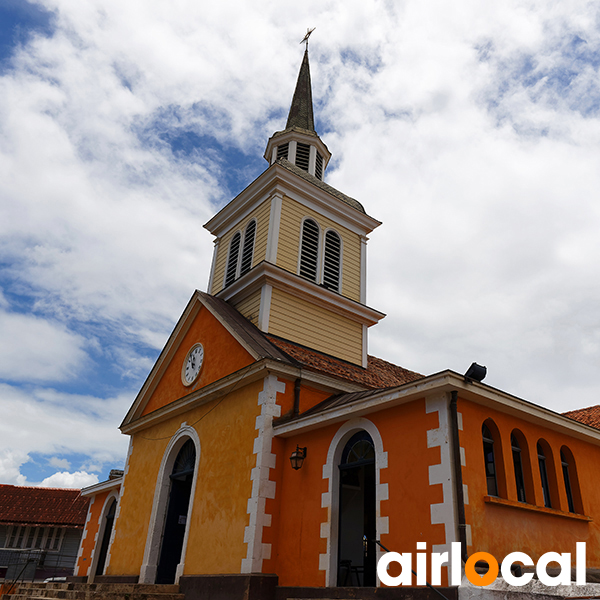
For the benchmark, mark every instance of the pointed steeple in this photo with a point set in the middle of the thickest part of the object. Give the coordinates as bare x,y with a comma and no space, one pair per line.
299,143
301,110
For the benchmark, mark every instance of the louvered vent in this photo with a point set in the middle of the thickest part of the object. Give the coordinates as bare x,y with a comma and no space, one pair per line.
234,252
248,249
331,263
302,156
319,167
282,151
309,251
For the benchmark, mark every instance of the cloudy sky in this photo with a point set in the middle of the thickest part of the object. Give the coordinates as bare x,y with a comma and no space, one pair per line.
472,130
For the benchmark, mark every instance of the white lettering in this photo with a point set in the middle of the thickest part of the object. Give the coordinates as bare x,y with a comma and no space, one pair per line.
508,561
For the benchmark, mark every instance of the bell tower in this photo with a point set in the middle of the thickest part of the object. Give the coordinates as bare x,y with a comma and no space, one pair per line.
290,250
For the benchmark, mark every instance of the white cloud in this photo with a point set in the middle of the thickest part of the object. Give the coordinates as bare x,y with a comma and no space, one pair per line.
64,479
472,130
35,349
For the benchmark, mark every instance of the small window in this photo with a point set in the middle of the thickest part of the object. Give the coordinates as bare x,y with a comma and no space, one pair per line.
309,250
248,250
544,476
490,461
518,465
567,480
282,150
302,156
232,261
319,167
331,261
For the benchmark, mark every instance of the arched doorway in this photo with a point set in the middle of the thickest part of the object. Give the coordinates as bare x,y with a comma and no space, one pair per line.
109,521
181,479
357,516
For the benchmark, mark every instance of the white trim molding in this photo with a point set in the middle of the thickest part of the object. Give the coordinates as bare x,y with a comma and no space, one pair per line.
161,502
262,486
274,226
444,512
330,499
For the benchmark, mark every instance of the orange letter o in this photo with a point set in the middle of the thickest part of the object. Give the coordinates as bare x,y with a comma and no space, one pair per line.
473,576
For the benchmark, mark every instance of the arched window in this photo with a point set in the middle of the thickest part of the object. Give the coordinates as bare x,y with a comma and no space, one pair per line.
490,461
232,260
248,249
332,260
571,480
309,249
518,466
544,475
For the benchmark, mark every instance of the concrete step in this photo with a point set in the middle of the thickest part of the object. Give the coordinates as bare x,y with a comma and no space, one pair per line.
93,591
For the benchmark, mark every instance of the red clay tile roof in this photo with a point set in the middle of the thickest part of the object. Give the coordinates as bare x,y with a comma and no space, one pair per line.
378,374
42,506
588,416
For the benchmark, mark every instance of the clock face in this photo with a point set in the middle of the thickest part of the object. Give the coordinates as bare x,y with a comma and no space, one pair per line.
192,364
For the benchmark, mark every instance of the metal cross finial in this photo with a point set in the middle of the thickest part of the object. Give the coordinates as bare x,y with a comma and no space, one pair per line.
305,39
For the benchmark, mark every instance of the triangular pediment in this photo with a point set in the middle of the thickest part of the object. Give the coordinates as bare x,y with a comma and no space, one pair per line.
229,342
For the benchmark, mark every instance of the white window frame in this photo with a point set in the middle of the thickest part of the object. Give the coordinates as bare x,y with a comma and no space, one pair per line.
23,533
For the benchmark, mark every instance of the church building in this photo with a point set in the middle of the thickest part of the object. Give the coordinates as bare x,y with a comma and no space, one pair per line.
270,453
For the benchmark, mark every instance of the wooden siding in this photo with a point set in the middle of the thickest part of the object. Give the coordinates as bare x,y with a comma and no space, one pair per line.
250,306
316,327
289,244
261,214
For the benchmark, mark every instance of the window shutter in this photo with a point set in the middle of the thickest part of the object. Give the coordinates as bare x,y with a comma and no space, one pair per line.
302,156
282,150
234,252
248,250
319,167
309,250
331,263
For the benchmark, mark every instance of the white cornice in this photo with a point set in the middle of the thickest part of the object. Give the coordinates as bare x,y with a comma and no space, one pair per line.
103,486
444,381
279,179
220,388
267,273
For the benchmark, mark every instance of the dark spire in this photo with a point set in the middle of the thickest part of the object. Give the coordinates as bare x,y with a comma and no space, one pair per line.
301,110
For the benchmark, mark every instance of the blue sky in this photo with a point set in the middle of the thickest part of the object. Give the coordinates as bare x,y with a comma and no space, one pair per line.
472,132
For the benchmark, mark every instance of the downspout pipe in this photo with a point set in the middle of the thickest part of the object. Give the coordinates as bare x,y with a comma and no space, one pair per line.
296,409
458,481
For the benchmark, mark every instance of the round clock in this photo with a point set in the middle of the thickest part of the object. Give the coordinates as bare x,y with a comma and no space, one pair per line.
192,364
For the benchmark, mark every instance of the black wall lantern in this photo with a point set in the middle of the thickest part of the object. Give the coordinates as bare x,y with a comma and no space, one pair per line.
297,457
475,373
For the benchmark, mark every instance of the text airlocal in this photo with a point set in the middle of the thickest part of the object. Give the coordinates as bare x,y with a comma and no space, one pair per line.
439,559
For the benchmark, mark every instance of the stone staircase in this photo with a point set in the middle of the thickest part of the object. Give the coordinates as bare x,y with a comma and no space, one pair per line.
93,591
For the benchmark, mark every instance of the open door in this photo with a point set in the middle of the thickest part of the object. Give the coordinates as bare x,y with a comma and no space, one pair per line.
109,521
357,527
177,510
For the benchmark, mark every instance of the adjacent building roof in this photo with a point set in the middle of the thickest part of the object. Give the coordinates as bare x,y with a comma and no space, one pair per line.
588,416
39,506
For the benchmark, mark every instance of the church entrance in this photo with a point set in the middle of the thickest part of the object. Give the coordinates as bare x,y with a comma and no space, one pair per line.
109,521
357,527
177,510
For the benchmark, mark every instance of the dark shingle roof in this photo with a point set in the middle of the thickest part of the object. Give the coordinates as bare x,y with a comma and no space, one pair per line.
321,184
42,506
588,416
301,110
